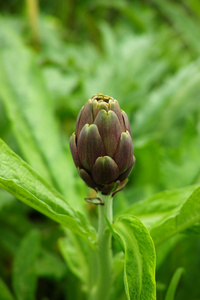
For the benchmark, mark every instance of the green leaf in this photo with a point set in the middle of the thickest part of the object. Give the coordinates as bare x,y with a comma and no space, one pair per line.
173,284
174,93
182,21
160,206
50,265
193,230
139,251
59,84
163,250
9,239
30,110
186,217
5,294
176,158
5,199
24,272
117,291
19,179
73,253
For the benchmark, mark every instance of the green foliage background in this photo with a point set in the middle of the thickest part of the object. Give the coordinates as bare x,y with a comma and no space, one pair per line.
145,54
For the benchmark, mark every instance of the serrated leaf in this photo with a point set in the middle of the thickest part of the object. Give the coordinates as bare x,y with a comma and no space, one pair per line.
173,284
139,269
24,272
5,294
188,215
19,179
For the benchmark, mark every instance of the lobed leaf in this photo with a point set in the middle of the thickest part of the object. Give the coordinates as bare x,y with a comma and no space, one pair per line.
139,269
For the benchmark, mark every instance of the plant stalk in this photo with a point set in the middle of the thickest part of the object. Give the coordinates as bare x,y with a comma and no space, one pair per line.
104,248
32,7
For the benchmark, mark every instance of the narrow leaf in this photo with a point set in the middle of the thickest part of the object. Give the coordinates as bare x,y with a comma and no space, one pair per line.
139,270
173,284
186,217
24,272
5,294
19,179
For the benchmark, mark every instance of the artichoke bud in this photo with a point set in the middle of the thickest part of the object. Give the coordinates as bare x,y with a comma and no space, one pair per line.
101,145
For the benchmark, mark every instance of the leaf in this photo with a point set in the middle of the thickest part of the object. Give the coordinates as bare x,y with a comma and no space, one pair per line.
5,294
50,265
139,270
117,291
6,199
30,111
193,230
60,85
176,159
160,206
169,102
163,250
24,272
9,240
188,215
19,179
183,22
73,253
173,284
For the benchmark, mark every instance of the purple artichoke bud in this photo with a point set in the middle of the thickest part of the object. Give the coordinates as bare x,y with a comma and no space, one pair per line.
101,146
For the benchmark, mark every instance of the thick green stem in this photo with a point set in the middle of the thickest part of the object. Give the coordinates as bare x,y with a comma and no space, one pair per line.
104,248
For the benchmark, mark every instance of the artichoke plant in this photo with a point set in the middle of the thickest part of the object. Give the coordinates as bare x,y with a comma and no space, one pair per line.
101,145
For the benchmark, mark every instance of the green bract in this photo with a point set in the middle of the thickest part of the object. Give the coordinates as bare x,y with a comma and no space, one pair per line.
102,146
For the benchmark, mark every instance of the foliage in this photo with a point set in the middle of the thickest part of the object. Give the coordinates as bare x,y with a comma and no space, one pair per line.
146,55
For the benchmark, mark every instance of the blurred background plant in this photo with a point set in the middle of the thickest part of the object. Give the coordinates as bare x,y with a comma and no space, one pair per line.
54,55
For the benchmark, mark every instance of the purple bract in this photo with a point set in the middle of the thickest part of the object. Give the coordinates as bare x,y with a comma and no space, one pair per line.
101,146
